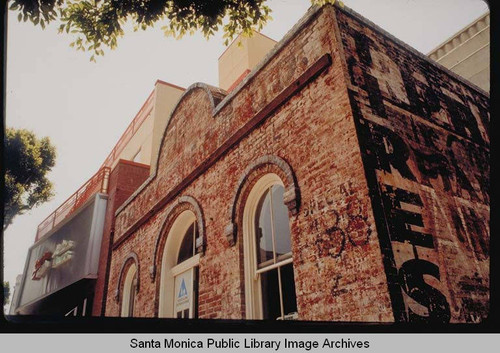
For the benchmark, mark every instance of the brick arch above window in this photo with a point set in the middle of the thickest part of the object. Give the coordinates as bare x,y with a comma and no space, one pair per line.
183,203
130,259
263,165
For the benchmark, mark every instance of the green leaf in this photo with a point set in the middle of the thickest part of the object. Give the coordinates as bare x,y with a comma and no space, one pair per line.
100,22
27,160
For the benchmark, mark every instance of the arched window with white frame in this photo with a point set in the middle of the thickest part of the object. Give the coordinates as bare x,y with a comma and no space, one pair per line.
129,292
269,279
179,269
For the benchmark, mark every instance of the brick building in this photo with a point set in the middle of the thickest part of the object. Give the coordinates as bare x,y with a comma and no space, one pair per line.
345,178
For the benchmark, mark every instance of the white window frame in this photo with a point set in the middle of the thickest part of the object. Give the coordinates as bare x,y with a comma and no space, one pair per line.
253,293
129,284
169,266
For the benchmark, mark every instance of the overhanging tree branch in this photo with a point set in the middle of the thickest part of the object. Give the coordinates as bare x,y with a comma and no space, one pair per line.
99,23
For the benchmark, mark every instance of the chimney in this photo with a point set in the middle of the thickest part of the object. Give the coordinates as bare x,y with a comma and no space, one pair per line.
240,57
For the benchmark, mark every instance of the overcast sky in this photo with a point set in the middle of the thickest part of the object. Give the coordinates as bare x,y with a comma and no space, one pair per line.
84,107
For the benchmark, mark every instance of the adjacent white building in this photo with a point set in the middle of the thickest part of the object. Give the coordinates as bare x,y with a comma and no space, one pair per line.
467,52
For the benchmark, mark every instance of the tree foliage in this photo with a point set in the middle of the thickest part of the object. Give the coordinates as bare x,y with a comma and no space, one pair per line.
99,23
27,161
6,292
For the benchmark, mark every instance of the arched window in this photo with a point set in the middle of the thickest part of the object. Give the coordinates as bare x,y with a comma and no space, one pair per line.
269,280
179,274
129,291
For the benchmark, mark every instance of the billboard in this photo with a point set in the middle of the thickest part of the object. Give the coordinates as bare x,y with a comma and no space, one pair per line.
66,255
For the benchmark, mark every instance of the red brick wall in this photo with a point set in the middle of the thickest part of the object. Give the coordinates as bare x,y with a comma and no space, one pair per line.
425,143
124,179
347,264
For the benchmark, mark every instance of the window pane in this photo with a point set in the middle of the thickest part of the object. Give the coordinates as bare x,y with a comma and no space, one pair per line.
195,291
288,289
184,292
270,295
131,302
281,221
263,229
187,246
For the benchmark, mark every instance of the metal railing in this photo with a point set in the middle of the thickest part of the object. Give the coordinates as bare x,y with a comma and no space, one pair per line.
129,132
97,183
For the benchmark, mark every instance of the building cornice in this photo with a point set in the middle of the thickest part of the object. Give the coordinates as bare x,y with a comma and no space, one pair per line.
462,36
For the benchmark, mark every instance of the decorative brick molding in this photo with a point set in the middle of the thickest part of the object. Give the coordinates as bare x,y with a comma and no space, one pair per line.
129,260
291,196
183,203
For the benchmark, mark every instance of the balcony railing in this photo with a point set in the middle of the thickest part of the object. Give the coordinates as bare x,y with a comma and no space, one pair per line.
129,132
97,183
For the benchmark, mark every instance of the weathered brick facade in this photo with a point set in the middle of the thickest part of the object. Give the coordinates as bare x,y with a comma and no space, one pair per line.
425,144
124,179
384,160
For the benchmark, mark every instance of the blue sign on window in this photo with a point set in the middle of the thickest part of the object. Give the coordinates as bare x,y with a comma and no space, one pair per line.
182,291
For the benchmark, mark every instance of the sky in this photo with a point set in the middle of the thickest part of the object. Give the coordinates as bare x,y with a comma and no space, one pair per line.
84,107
